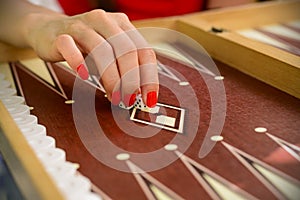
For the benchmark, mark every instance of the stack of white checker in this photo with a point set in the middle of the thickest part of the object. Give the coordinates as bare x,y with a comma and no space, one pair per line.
72,185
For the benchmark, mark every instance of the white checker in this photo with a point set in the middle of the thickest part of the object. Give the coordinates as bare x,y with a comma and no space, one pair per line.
12,101
41,143
25,120
52,156
33,131
122,105
4,84
62,170
18,110
75,187
139,103
5,92
165,120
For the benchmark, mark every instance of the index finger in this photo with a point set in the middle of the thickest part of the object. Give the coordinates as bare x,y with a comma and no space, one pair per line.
70,52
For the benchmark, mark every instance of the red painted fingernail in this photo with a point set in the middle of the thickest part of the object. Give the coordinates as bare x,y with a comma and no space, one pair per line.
151,99
129,99
82,72
116,98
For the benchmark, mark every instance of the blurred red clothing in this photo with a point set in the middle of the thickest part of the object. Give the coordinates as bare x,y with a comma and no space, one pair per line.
73,7
138,9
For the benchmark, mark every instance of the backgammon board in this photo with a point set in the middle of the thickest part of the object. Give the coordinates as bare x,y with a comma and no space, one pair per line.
217,132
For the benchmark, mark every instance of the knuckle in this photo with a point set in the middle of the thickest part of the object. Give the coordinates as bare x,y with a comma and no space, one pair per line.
96,15
122,17
76,26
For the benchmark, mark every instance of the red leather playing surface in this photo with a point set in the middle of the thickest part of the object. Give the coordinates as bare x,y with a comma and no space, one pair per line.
250,104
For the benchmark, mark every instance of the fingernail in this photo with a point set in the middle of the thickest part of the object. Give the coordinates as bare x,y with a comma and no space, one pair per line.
82,72
129,99
151,99
116,98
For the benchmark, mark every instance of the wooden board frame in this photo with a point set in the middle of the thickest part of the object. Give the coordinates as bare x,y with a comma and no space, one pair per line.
28,172
269,64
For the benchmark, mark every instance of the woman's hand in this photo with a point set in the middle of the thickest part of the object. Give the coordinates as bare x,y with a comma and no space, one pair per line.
125,62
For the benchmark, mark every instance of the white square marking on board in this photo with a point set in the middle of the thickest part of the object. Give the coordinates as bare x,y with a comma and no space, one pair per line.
165,120
170,123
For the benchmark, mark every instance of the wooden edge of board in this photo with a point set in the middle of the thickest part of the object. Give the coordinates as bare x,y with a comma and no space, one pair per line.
9,53
266,63
249,15
263,62
165,22
28,172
